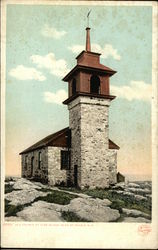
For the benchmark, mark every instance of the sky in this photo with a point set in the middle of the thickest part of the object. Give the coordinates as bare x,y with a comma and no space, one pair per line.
42,42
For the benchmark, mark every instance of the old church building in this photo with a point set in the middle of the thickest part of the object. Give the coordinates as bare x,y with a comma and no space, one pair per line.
81,154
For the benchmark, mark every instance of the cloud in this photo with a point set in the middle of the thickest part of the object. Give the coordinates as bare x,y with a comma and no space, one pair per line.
76,48
57,97
24,73
52,32
106,51
137,90
56,67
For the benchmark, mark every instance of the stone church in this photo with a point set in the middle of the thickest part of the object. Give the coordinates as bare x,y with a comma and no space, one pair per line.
82,154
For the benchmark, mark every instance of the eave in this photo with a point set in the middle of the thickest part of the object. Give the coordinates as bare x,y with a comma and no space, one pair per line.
98,69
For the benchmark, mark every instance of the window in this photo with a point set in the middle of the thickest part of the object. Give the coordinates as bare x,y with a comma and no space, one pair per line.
39,160
32,165
64,159
73,86
26,162
95,84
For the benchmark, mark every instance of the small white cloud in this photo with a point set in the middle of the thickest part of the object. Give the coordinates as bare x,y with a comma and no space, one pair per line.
57,97
105,52
55,67
24,73
108,51
52,32
137,90
76,48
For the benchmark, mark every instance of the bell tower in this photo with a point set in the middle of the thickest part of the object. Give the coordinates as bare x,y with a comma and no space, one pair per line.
88,104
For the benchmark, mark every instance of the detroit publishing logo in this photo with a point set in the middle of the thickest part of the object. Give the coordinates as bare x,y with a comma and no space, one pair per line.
144,229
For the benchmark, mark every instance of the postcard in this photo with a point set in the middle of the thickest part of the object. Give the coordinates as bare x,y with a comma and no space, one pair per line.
79,124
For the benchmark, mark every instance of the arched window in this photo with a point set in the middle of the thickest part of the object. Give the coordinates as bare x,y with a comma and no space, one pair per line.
73,86
95,84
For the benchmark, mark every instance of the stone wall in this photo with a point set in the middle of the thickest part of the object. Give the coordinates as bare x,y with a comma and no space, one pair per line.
56,175
88,119
75,126
112,166
29,171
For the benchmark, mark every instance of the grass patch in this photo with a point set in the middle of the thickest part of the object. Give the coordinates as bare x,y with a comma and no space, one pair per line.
12,210
72,217
57,197
45,190
8,188
71,189
117,204
119,201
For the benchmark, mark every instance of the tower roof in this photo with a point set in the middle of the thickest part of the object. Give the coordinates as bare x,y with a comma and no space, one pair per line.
88,60
88,64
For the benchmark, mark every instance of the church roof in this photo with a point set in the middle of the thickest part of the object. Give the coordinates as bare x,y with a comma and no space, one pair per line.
59,139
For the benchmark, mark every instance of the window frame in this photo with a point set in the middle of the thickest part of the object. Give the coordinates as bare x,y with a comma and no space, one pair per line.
64,161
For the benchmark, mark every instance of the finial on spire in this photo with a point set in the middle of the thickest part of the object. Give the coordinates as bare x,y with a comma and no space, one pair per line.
88,44
88,18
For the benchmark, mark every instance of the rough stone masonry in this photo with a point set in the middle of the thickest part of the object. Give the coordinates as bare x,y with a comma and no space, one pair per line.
88,119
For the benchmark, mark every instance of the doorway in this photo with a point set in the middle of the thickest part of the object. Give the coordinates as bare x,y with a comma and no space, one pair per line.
75,176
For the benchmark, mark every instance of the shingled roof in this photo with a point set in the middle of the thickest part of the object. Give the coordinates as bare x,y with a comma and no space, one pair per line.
59,139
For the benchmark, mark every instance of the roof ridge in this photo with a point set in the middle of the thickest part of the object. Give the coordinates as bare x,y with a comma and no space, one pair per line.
56,134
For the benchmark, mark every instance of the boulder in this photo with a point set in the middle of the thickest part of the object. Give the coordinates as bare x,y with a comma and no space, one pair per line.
139,190
13,218
132,184
41,211
136,220
120,185
127,193
23,196
25,184
94,210
140,198
135,213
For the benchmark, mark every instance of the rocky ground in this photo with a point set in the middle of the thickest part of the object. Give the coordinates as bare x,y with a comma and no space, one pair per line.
32,201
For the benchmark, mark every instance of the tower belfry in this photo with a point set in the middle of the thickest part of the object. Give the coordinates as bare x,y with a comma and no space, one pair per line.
88,104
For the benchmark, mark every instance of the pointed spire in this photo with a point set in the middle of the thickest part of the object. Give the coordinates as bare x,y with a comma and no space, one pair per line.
88,43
